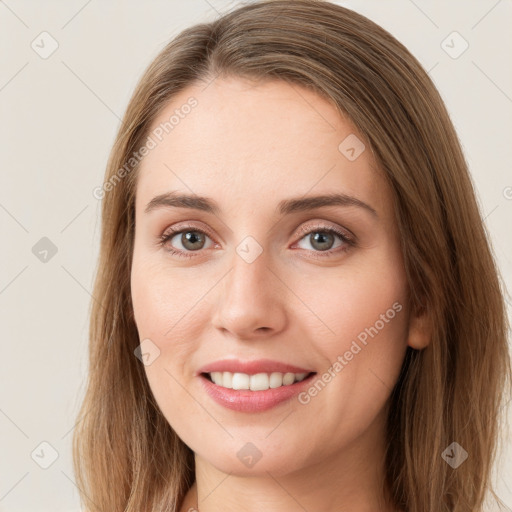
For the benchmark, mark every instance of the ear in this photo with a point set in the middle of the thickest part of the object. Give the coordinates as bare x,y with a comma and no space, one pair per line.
420,329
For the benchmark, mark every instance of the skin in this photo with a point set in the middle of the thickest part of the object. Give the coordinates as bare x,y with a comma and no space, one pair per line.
248,146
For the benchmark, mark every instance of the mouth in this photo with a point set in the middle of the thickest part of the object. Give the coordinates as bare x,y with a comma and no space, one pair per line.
255,382
254,393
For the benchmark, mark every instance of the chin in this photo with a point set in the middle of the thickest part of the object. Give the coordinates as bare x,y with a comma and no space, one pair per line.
246,458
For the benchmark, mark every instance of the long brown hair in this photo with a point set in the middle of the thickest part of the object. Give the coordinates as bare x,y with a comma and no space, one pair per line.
126,456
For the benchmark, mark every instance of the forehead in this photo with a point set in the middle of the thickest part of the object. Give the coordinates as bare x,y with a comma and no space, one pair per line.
255,141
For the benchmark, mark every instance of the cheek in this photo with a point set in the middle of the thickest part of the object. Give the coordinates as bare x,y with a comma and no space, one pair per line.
165,322
164,315
364,346
167,312
161,299
357,304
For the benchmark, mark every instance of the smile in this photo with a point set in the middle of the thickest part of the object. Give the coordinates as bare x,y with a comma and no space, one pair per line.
254,393
256,382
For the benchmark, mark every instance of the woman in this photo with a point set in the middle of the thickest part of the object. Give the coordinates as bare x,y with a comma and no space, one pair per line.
299,305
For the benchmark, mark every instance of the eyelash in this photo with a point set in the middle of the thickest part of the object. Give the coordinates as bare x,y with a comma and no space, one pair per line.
164,238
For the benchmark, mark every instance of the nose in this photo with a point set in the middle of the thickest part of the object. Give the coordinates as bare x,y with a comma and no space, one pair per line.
250,300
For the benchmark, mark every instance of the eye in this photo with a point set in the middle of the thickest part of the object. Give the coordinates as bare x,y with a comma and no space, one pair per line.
323,238
190,238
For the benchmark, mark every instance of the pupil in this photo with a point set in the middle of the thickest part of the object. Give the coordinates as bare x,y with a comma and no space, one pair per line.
190,238
321,238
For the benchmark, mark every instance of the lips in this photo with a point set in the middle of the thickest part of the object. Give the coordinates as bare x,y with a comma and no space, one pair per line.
253,400
252,367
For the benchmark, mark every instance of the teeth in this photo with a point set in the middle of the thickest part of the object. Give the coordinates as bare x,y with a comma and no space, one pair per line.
276,380
256,382
227,380
240,381
259,382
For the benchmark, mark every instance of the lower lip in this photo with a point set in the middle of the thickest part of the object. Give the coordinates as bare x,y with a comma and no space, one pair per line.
244,400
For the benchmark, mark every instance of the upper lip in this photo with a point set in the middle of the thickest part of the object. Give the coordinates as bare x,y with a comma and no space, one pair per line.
251,367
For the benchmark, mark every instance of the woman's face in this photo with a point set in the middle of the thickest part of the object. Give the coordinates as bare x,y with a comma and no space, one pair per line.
263,276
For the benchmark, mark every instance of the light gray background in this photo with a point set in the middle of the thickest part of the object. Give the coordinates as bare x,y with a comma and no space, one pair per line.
59,116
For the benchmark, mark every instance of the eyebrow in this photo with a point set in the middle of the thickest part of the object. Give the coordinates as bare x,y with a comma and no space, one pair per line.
287,206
